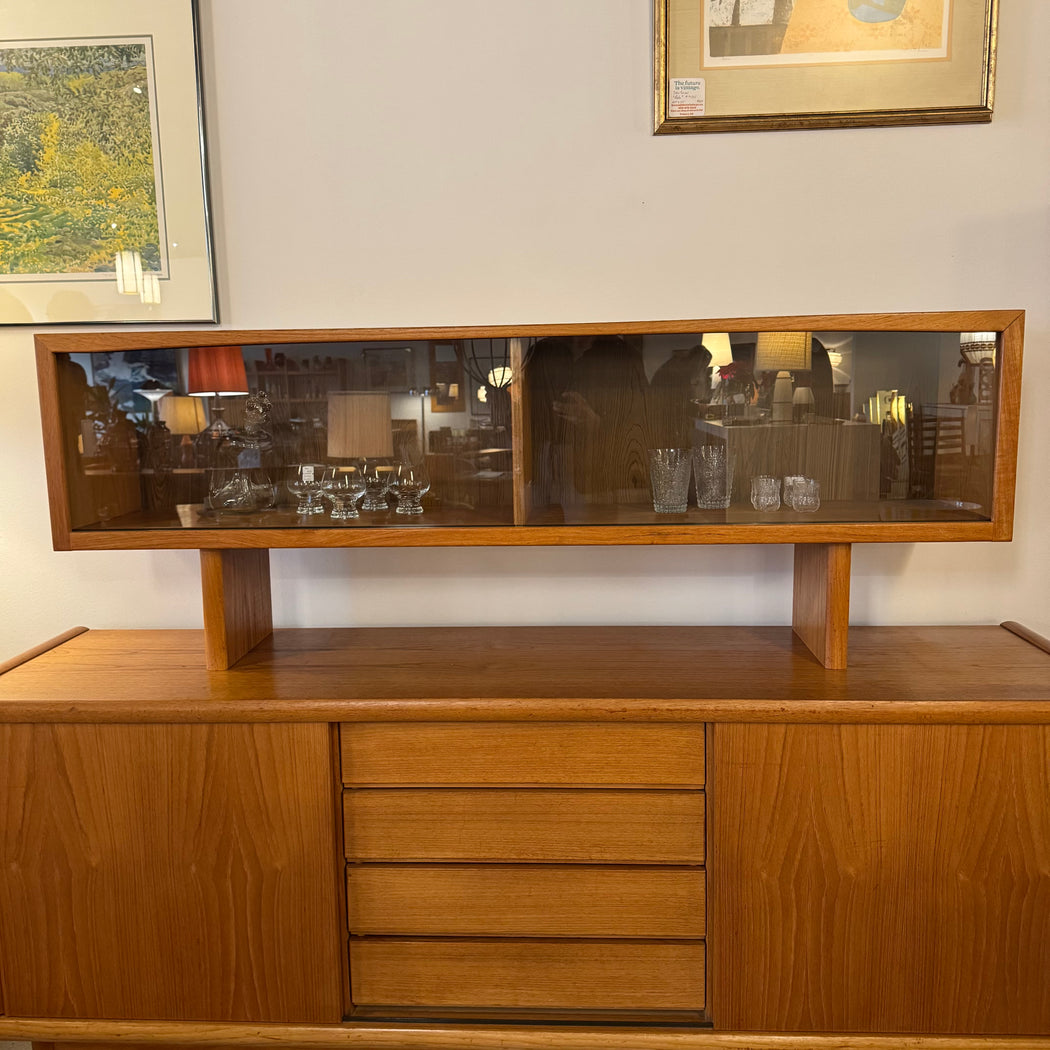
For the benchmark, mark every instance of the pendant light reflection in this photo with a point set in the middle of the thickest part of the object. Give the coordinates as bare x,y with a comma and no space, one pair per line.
500,377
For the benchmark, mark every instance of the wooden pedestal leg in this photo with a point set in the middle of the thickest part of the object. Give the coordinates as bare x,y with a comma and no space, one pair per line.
237,611
820,612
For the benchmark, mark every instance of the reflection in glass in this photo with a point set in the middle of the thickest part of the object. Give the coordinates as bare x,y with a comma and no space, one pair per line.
891,425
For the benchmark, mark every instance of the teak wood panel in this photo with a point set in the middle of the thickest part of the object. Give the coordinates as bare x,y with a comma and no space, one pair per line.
600,975
237,604
881,879
525,900
912,674
537,824
522,753
169,872
820,600
959,675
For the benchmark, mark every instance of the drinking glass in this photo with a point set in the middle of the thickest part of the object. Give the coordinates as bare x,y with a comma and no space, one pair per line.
343,488
806,495
378,479
411,484
713,472
304,482
669,473
765,492
790,481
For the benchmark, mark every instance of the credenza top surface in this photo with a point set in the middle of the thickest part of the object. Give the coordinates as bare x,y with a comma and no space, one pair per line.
896,674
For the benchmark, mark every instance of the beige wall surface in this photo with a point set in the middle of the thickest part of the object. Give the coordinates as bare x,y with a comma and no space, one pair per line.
481,161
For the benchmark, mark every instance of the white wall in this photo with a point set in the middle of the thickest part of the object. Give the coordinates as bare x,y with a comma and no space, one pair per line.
483,161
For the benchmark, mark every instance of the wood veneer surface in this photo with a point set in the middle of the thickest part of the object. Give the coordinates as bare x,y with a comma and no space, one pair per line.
503,1034
609,975
526,900
577,754
114,836
530,824
676,674
881,879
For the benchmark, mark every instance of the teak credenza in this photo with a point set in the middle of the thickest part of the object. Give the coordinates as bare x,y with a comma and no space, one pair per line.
431,837
471,837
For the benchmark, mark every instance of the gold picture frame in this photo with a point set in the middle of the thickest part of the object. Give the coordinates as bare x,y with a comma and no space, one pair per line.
774,65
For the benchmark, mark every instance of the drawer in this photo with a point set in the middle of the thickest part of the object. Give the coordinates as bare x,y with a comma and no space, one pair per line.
534,824
520,753
526,900
599,975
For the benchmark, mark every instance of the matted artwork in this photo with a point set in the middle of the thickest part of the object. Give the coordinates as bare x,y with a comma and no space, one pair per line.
739,65
103,202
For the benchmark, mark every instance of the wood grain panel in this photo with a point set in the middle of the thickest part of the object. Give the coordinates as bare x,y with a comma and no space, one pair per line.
526,900
467,674
237,604
915,321
39,650
881,879
509,753
169,872
600,975
502,1033
820,605
1008,419
537,824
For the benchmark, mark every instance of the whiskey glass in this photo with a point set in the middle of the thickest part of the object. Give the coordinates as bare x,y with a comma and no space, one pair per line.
765,492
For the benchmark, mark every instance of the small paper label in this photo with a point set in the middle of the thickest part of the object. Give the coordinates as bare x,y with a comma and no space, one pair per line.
686,97
308,474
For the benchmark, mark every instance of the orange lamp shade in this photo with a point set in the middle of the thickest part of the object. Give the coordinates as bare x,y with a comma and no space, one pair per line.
216,370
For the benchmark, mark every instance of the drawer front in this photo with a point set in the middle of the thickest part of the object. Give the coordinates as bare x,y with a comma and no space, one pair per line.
658,827
479,753
526,900
600,975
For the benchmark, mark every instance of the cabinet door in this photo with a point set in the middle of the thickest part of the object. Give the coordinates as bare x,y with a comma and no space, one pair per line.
169,872
880,878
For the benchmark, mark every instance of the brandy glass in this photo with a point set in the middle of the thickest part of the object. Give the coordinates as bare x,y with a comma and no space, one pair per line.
378,479
411,484
305,481
343,488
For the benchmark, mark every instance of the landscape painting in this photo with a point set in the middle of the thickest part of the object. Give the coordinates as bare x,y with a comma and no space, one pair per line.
78,165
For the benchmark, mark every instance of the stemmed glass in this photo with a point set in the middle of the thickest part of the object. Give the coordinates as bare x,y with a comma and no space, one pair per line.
411,484
304,482
378,479
343,488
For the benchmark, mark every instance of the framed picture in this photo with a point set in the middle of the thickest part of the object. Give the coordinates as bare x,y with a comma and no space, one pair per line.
103,191
763,65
